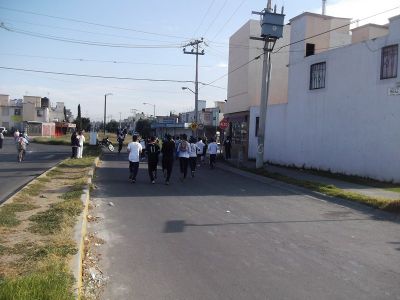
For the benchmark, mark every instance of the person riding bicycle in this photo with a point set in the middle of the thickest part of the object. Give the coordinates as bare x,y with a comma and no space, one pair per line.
22,142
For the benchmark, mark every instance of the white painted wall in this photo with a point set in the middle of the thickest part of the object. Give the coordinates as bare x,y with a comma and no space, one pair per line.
351,126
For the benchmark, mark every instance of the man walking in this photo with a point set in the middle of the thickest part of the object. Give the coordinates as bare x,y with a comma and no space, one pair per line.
183,153
228,146
134,150
152,151
212,150
200,149
168,152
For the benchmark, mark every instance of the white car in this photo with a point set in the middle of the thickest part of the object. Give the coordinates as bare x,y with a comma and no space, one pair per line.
3,130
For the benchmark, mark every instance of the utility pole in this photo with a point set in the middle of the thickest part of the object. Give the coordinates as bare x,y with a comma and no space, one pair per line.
120,120
271,30
195,50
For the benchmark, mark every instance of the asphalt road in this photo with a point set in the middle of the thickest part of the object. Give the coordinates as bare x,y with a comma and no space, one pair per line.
39,158
224,236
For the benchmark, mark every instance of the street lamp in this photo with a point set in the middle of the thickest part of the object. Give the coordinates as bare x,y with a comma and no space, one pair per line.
186,88
154,108
105,110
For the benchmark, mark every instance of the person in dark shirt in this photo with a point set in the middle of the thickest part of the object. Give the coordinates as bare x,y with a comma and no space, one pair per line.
152,151
168,151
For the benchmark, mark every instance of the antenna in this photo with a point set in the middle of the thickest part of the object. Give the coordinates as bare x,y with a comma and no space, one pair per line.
323,7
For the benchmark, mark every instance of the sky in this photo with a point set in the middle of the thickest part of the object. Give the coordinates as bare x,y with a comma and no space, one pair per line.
135,40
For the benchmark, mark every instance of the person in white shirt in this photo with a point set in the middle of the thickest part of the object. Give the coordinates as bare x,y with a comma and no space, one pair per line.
192,155
134,149
212,150
81,140
200,148
183,154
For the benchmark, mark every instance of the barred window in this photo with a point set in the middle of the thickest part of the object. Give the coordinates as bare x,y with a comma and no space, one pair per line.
317,76
17,112
389,61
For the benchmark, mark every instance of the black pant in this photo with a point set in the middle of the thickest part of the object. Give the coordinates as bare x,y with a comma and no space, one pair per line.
212,160
227,152
74,152
1,143
152,167
192,163
167,164
119,147
183,163
133,169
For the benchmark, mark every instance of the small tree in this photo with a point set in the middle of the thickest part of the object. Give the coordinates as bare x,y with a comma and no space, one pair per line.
112,126
65,115
143,127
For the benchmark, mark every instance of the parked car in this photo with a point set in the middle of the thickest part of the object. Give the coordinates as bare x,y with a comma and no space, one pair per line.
3,130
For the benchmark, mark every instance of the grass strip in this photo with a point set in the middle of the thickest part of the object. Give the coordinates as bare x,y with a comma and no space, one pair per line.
333,191
51,282
8,217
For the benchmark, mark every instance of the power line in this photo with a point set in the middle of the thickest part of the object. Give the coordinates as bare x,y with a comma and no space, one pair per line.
92,23
109,77
98,76
212,23
84,31
99,61
205,15
83,42
229,19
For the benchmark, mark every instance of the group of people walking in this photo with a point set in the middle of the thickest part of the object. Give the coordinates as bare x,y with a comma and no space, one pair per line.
190,153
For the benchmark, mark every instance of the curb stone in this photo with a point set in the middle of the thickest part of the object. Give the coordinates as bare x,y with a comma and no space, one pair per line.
80,233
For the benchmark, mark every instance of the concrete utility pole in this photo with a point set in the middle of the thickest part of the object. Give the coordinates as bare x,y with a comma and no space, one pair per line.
271,30
195,51
105,110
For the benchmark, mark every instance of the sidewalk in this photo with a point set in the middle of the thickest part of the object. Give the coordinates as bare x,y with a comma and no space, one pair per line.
341,184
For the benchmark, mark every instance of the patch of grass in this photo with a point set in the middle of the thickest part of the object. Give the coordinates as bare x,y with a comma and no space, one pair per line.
8,217
53,282
3,249
84,162
51,220
32,252
74,192
350,178
33,189
331,190
43,179
54,173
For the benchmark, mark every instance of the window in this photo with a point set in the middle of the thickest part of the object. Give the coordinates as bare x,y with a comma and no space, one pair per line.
4,111
317,76
389,61
310,49
39,113
17,112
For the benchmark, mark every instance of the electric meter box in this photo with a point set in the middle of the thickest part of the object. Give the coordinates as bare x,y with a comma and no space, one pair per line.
272,25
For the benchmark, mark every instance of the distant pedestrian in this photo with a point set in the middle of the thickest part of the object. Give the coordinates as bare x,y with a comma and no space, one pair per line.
205,147
1,139
228,147
81,139
22,143
120,140
168,152
16,135
212,150
134,149
183,153
192,155
143,144
74,145
200,149
152,151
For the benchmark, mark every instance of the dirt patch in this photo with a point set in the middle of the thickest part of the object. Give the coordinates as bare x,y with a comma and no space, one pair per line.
21,248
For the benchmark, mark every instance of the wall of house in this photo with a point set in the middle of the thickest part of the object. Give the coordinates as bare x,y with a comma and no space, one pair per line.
352,125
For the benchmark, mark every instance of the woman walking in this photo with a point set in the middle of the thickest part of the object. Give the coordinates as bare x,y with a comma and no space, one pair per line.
81,140
183,154
74,145
192,155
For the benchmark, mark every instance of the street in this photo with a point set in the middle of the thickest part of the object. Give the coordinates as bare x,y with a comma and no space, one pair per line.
39,158
225,236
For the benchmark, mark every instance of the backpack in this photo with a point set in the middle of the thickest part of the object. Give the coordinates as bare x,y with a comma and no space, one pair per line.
183,147
21,144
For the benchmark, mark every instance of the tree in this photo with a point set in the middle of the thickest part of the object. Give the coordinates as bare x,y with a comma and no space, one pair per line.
65,115
143,127
85,124
112,126
78,120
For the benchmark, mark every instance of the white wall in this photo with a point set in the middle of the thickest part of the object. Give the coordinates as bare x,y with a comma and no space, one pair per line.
351,126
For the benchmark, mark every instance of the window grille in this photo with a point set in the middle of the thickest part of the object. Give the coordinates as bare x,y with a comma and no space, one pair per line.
389,61
317,76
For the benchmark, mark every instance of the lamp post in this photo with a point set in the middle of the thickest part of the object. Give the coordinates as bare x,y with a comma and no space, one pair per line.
105,110
154,108
195,100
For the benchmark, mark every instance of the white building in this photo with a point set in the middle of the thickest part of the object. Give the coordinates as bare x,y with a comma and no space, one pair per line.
343,109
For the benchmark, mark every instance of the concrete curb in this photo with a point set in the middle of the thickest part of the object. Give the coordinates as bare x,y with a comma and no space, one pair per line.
80,233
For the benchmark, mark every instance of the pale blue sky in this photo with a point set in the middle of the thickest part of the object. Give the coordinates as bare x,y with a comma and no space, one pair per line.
172,23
